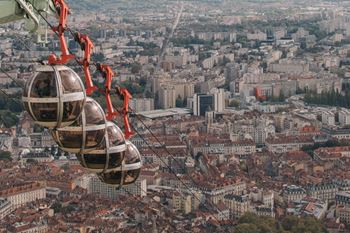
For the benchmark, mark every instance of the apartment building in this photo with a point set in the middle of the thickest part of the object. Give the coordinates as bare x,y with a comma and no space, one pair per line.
22,194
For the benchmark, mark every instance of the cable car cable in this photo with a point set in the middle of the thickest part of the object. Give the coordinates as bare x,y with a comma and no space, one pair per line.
140,200
173,172
3,92
165,148
10,77
22,42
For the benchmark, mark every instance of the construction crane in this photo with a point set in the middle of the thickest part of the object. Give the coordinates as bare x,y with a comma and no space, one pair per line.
56,98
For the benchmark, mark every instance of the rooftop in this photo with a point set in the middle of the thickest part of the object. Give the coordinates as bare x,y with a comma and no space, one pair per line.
21,188
290,139
154,114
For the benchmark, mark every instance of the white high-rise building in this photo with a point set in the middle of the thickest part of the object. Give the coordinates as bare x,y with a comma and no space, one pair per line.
328,118
219,100
344,117
194,104
142,104
167,97
96,186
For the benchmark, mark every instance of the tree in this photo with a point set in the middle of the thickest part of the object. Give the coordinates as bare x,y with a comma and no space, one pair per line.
57,207
38,128
8,118
32,161
133,87
136,68
179,102
234,103
263,224
65,167
224,61
143,82
53,150
331,98
59,152
246,228
305,224
99,57
300,91
148,94
288,222
5,155
248,218
15,106
281,97
68,209
291,224
3,101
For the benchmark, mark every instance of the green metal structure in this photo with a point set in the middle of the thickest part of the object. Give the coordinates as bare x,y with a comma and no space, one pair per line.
14,10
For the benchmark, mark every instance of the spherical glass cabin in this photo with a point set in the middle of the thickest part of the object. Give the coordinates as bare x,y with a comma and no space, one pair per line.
128,172
54,97
110,153
84,134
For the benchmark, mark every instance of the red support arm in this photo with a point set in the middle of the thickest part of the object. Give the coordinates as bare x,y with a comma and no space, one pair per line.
87,46
63,10
108,73
125,95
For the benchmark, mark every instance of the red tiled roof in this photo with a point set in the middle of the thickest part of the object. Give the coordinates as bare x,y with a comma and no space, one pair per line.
289,139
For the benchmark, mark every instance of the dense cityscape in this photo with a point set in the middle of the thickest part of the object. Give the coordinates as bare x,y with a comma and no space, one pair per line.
241,116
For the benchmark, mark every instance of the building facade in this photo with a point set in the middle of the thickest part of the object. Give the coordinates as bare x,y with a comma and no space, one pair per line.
293,193
238,204
344,117
5,208
142,104
96,186
24,193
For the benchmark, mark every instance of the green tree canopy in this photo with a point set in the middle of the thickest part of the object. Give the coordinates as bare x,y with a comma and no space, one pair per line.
252,223
234,103
14,104
246,228
5,155
179,102
136,68
330,98
8,118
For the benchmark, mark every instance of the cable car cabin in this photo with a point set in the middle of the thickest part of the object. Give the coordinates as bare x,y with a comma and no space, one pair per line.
128,172
110,153
86,133
54,96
